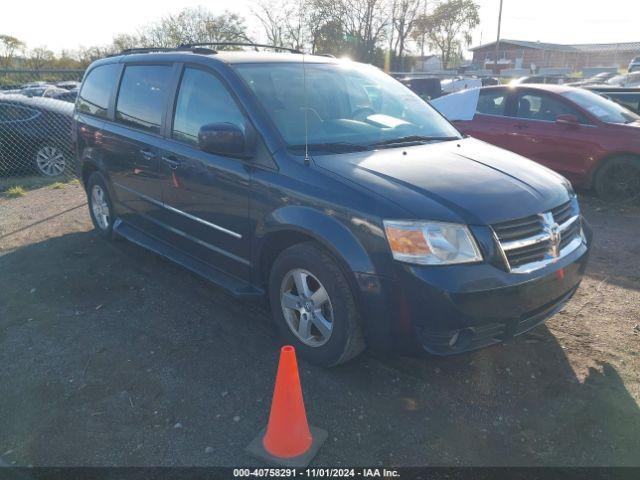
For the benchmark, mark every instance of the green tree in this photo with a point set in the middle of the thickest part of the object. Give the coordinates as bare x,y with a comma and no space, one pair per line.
9,47
448,28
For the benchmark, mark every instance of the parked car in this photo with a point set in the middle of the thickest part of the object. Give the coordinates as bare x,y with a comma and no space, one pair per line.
35,91
61,94
634,65
628,80
35,84
68,85
331,190
426,88
544,79
594,80
591,140
66,95
486,81
35,134
627,97
456,84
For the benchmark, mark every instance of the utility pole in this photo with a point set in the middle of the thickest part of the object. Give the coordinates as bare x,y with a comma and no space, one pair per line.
495,64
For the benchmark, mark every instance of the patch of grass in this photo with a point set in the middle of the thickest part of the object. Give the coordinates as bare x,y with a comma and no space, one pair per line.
32,182
15,191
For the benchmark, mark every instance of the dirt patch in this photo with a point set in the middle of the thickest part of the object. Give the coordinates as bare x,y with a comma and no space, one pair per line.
113,356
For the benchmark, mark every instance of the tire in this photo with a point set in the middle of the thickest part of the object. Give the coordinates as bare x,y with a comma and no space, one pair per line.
102,218
310,264
618,180
50,160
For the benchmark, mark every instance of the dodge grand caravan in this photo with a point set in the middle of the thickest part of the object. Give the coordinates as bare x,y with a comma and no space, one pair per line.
331,191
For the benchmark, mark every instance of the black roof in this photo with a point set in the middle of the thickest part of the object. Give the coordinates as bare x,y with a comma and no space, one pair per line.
41,103
611,89
224,56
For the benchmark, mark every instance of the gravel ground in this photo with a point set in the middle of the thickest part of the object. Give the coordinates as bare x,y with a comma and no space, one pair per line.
113,356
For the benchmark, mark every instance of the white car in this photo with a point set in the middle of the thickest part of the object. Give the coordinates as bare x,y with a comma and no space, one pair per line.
456,84
634,65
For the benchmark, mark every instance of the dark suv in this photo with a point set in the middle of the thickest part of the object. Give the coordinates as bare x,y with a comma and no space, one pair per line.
333,192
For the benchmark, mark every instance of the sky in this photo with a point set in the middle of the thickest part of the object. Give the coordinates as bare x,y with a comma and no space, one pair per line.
78,22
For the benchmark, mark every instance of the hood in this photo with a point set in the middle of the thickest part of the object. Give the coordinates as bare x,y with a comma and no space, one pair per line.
466,180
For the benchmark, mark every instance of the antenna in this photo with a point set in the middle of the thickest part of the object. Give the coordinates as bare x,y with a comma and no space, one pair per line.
306,112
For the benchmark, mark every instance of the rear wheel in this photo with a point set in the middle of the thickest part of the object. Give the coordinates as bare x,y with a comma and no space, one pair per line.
313,305
100,206
618,180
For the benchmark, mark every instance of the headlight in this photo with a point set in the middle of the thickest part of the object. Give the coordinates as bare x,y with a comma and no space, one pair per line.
567,184
431,243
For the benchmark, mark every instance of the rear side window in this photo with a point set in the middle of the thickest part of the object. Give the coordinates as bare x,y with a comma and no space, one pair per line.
96,90
142,96
202,100
535,106
492,102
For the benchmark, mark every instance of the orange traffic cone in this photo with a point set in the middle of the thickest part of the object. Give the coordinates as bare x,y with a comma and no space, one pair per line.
288,440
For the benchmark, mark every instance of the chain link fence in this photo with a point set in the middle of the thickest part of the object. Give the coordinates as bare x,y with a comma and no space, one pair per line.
36,111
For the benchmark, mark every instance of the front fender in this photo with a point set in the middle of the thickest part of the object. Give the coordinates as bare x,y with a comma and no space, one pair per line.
329,230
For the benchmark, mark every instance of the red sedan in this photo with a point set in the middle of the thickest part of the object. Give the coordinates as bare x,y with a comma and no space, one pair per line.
592,141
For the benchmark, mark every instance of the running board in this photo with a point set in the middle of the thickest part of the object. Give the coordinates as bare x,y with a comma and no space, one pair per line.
238,288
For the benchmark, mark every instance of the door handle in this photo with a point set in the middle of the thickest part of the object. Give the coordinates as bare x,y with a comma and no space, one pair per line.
173,162
147,154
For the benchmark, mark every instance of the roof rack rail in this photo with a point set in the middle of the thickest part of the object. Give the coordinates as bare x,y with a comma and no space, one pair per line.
236,44
129,51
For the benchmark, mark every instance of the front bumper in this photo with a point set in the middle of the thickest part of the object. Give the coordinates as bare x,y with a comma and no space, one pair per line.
457,308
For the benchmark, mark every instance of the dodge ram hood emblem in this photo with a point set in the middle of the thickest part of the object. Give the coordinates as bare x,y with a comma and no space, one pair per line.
551,228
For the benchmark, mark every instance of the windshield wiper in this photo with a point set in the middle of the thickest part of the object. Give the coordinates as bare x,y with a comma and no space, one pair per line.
335,147
412,139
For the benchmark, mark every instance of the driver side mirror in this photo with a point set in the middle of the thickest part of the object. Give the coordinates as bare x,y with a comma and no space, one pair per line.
226,139
567,119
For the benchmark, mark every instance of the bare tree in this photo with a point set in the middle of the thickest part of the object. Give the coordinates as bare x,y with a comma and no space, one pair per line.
449,27
195,25
39,58
405,14
271,15
9,46
284,22
363,24
124,41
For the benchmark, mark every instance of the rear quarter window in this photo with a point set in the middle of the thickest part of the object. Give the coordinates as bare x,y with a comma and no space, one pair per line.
96,90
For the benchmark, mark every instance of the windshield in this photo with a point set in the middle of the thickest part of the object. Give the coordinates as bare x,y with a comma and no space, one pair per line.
603,109
347,105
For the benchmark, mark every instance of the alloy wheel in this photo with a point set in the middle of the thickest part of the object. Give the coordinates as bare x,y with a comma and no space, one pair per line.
306,307
50,160
623,182
100,207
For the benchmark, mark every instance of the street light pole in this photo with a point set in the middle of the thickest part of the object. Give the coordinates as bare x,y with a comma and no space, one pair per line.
495,64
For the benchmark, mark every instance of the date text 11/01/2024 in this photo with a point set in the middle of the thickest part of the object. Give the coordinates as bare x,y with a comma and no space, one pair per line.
316,472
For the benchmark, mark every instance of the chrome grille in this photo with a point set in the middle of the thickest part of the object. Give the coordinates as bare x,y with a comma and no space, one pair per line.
533,242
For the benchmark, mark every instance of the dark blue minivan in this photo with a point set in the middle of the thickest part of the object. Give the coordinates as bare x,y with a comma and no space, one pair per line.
330,190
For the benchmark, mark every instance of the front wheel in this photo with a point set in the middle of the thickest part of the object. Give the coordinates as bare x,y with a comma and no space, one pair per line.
313,305
618,180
